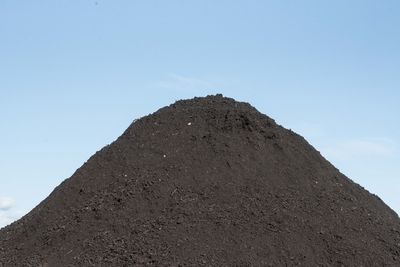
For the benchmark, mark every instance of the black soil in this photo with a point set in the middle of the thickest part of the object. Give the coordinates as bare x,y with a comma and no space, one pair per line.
206,182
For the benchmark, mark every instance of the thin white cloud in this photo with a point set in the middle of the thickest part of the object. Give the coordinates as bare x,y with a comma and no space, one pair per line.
180,82
6,203
360,148
7,215
6,219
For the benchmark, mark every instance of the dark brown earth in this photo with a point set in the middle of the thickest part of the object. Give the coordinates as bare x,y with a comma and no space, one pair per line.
206,182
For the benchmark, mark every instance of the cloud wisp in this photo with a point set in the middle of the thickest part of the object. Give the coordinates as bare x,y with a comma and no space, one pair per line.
6,219
7,215
6,203
360,148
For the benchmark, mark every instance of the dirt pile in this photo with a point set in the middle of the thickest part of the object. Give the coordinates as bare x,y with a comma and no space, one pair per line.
206,182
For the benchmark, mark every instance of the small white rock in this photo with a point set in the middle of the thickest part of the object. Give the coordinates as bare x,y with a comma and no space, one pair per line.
164,156
189,123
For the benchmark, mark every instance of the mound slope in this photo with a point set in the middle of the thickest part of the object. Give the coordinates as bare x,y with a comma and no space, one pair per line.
206,182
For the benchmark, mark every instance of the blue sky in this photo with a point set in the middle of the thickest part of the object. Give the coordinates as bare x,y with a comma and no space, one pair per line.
74,74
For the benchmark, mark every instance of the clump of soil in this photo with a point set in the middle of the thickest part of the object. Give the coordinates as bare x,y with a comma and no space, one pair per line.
206,182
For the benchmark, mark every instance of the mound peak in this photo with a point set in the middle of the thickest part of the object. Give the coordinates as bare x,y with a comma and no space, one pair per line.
206,182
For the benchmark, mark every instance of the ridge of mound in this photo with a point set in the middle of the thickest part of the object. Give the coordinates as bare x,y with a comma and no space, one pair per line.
206,182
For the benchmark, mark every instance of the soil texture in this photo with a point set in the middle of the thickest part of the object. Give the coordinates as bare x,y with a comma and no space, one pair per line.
206,182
